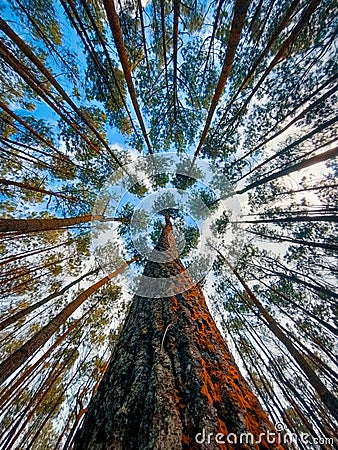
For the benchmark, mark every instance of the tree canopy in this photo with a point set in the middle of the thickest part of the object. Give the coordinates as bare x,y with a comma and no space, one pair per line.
115,113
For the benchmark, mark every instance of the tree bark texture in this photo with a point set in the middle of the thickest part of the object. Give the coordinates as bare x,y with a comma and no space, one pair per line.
20,356
240,11
170,377
115,27
48,224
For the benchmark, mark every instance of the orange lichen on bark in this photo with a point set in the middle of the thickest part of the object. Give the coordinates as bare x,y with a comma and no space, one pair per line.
174,303
208,388
228,382
186,439
179,376
222,427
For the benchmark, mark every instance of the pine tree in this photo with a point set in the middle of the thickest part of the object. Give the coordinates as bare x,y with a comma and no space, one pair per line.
171,375
250,90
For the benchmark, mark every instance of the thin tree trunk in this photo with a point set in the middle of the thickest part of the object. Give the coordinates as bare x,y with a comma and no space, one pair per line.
49,44
175,56
24,312
115,27
35,60
36,189
311,188
37,87
164,44
284,49
21,271
9,365
88,44
214,28
329,154
277,374
296,143
11,148
38,398
315,317
171,376
277,31
10,389
16,154
26,125
19,256
108,58
325,395
291,113
326,246
302,114
277,402
324,293
304,218
144,41
240,11
294,212
82,409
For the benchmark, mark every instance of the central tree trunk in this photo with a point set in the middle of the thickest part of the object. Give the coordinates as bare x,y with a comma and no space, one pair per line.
172,380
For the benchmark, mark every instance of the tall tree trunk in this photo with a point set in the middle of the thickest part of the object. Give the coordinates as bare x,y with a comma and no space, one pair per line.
298,305
291,113
81,30
37,135
240,11
109,61
212,38
8,391
16,154
144,40
37,225
28,254
324,245
10,364
276,33
28,187
300,116
49,76
303,218
283,51
82,408
175,56
115,27
164,45
24,312
311,188
329,154
46,95
323,392
171,376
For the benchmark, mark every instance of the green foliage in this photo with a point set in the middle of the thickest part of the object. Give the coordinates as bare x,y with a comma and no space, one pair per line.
270,116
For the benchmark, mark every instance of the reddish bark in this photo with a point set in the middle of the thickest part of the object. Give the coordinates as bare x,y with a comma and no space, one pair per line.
49,76
171,376
14,361
240,11
115,27
37,225
325,395
36,189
